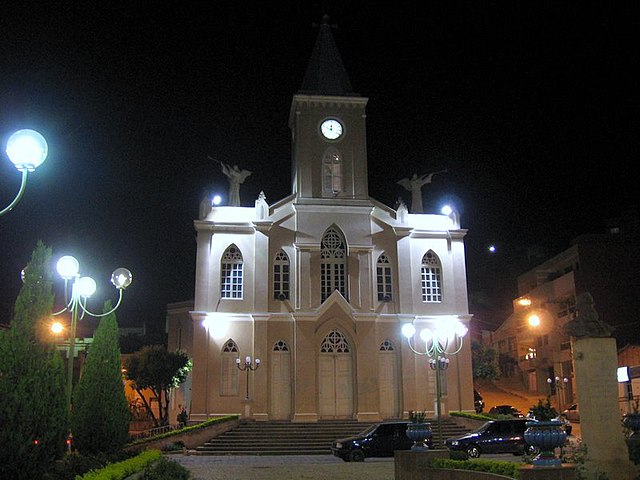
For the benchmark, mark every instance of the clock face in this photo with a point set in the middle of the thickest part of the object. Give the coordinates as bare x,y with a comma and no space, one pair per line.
331,129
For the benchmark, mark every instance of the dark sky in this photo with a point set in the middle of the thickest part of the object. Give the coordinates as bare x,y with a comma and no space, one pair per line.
532,107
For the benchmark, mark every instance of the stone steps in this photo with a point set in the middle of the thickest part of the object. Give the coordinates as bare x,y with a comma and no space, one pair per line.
292,438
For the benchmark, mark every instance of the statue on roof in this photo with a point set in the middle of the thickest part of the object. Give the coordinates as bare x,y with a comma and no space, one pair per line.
586,323
414,185
236,178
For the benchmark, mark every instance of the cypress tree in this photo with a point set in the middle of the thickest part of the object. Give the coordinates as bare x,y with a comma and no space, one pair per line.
33,410
100,415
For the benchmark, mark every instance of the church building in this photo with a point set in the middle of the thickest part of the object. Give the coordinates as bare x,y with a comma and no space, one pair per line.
299,305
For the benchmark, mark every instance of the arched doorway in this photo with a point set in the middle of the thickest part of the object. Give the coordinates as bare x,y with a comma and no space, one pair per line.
280,401
389,387
335,377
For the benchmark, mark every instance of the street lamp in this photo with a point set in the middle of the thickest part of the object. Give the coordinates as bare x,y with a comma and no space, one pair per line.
76,302
248,366
26,149
556,385
446,338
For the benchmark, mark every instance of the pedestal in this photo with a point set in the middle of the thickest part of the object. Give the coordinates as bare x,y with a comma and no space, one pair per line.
412,465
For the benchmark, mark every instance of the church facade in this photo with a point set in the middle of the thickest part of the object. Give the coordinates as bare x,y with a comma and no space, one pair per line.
318,285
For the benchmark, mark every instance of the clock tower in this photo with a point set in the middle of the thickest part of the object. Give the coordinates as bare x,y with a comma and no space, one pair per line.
328,128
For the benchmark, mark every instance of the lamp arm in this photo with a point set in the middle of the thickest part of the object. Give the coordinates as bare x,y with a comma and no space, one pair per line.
98,315
428,351
459,342
23,186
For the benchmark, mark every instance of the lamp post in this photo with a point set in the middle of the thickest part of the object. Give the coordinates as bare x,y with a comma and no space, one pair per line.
446,338
76,302
248,366
557,384
26,149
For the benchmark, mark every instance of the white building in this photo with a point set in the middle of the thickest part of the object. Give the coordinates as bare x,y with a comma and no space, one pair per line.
318,284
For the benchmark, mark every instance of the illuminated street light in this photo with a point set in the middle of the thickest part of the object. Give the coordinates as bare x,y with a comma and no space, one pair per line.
76,302
445,339
248,367
26,149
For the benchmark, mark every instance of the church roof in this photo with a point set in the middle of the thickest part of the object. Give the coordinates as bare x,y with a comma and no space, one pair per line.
325,73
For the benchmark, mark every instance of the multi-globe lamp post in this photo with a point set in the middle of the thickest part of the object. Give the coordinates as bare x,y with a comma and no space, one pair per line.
248,366
77,291
26,149
445,338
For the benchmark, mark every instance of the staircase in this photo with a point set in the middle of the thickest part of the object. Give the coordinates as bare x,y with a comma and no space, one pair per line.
287,438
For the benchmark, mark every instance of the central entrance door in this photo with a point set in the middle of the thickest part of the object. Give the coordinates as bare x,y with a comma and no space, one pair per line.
280,382
335,377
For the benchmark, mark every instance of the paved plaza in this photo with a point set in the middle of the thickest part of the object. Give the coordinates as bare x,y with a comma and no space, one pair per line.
311,467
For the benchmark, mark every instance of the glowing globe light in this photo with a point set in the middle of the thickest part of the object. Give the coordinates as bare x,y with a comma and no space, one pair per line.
408,330
121,278
86,287
534,320
27,149
216,200
68,267
57,328
426,334
446,210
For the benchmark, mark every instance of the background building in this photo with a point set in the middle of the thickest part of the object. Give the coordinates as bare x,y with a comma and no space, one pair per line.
606,266
318,284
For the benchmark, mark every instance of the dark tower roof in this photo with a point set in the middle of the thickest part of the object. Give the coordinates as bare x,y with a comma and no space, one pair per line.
325,73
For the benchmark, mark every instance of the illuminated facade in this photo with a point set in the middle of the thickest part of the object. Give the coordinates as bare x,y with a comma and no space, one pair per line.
318,284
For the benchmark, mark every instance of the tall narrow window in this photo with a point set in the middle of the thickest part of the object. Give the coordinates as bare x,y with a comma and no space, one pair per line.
383,274
231,273
431,274
333,264
332,172
281,276
228,371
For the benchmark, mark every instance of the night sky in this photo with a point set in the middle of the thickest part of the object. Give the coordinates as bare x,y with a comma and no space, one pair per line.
532,107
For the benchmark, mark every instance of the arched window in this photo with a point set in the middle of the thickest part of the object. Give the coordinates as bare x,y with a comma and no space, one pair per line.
281,276
383,275
231,273
280,346
386,346
332,172
431,278
335,342
333,264
229,373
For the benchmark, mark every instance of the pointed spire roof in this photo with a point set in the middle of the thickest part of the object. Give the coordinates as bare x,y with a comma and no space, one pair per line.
325,73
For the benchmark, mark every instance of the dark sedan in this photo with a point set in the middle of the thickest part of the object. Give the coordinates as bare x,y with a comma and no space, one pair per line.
379,440
495,436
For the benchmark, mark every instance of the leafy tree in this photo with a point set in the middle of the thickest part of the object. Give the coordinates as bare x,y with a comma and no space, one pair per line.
100,416
161,371
33,407
484,362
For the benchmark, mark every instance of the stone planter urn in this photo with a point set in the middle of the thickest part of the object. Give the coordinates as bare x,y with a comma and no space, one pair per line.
420,433
546,436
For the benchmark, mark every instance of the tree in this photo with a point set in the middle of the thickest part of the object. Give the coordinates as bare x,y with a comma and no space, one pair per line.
483,360
160,371
33,407
100,416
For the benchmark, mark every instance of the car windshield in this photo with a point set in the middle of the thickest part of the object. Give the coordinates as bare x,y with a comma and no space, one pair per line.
482,428
369,430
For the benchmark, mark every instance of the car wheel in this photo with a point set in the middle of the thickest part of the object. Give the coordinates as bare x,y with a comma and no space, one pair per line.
356,456
473,451
531,450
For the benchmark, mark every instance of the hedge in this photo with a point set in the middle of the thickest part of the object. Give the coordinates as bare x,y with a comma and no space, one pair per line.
190,428
508,469
121,470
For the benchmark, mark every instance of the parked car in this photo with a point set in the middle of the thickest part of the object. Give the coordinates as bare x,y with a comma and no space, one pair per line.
478,402
572,413
379,440
568,428
506,410
495,436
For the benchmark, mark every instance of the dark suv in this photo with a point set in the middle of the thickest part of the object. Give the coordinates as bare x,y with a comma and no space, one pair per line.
495,436
379,440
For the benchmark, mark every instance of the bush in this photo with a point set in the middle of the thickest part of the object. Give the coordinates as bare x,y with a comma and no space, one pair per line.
507,469
165,469
121,470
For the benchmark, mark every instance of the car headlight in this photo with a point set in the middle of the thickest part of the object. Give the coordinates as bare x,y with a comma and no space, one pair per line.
454,442
338,445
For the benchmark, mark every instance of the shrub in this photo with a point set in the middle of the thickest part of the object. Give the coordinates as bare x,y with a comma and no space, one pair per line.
507,469
165,469
121,470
